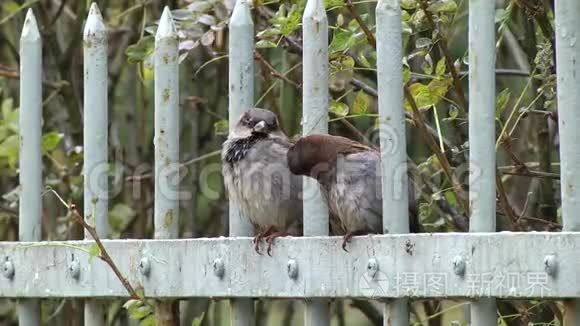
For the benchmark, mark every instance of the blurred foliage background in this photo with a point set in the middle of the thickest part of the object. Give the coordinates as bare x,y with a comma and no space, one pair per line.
435,71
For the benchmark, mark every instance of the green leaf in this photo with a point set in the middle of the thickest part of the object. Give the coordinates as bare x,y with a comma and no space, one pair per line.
94,251
148,321
501,101
265,44
440,68
453,112
291,22
338,108
408,4
438,88
268,33
9,149
427,65
341,41
406,75
333,3
198,320
50,141
423,42
442,6
221,127
141,50
361,103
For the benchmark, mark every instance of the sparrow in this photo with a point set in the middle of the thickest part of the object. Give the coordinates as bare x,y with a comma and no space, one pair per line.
257,178
349,175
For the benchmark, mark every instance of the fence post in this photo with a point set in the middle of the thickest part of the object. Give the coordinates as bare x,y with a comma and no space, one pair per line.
166,141
568,67
482,135
95,129
241,86
30,207
315,120
392,135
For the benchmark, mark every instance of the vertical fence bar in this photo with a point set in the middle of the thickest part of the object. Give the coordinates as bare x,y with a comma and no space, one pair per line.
241,85
95,129
392,135
315,120
30,207
166,140
482,134
568,69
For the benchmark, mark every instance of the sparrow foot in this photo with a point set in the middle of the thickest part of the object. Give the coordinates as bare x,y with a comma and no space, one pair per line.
348,237
270,239
259,237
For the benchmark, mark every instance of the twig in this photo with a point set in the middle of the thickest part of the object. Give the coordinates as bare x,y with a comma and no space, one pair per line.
274,72
186,163
104,254
504,202
369,311
361,23
418,118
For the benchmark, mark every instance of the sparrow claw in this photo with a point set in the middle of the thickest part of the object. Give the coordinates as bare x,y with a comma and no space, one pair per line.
270,240
346,239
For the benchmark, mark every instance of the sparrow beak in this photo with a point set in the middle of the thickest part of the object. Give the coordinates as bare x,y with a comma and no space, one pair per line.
260,127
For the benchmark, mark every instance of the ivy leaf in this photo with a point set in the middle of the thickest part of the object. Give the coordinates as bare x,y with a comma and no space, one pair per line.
141,50
443,6
221,127
338,108
265,44
440,68
94,251
501,101
50,141
361,103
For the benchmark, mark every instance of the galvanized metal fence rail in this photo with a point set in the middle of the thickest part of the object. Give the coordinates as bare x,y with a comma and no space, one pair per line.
477,266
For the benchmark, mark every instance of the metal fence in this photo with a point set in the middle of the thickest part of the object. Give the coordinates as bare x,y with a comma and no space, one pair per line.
477,266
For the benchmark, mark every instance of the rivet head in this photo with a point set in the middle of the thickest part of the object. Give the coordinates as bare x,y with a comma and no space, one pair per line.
8,269
145,266
292,269
372,267
459,266
551,265
218,268
74,269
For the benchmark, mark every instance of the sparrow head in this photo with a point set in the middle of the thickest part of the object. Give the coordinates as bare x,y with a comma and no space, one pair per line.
257,122
316,154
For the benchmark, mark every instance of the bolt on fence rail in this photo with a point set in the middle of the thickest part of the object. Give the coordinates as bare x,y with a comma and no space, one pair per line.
228,256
